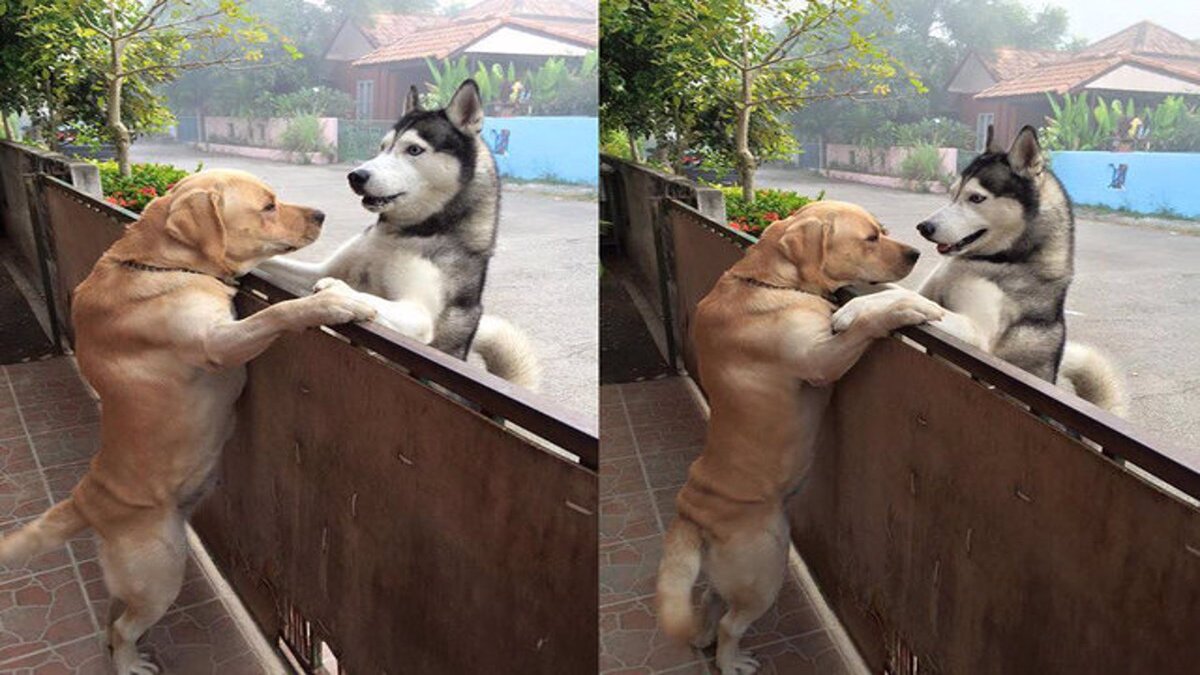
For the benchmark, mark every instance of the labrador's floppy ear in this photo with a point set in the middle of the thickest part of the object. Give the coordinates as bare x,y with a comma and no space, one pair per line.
804,241
1025,155
194,221
412,102
465,109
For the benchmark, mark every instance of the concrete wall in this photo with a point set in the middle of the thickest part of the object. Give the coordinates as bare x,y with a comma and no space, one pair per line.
1153,182
263,133
882,161
538,148
16,216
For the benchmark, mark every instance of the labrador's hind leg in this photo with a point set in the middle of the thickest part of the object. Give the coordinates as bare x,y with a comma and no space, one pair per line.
711,608
747,571
143,569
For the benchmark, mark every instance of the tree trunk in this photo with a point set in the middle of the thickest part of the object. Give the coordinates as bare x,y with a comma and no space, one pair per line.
745,158
120,133
633,151
8,132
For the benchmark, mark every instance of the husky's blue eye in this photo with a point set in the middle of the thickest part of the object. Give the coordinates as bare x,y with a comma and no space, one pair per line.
414,150
977,199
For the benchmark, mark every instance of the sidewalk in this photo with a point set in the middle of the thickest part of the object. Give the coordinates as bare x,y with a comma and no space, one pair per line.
53,611
650,432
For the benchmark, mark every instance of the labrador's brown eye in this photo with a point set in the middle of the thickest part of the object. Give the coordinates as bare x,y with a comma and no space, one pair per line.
874,237
269,207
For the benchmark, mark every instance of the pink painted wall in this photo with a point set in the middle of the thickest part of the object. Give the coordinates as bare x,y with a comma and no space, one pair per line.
881,161
260,132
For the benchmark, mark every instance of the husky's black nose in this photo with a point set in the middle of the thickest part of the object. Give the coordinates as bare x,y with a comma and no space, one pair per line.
358,180
926,229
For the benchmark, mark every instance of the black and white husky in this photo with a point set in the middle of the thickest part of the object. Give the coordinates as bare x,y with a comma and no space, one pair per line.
435,188
1008,236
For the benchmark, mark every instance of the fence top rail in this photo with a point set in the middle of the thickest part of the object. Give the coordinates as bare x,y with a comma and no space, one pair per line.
1120,439
534,413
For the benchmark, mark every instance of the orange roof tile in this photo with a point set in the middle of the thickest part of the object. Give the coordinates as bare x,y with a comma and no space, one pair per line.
1056,78
543,9
1072,75
443,40
385,29
1144,38
1006,63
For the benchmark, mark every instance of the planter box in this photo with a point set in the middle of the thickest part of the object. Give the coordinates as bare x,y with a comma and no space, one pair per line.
893,182
273,154
883,161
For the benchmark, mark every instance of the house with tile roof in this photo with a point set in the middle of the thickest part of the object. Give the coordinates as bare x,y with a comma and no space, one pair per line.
1007,88
377,60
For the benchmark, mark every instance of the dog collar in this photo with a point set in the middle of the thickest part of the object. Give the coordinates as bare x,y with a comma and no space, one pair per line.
764,284
135,265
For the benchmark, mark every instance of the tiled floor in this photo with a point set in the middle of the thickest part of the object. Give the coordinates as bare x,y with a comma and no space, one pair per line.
53,610
649,433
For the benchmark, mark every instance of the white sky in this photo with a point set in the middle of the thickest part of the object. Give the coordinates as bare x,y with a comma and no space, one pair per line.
1094,19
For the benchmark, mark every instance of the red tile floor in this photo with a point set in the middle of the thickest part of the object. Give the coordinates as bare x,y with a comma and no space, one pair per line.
649,433
53,610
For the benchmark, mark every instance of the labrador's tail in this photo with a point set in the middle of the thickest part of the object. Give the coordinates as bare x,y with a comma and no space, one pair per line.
507,351
1094,377
50,531
677,574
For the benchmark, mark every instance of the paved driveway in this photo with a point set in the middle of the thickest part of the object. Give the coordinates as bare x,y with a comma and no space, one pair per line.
543,276
1134,295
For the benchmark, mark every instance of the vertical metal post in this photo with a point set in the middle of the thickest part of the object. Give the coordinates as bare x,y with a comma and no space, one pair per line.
39,218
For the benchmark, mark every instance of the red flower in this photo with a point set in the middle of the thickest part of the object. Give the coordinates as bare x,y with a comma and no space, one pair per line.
171,185
110,199
771,216
149,191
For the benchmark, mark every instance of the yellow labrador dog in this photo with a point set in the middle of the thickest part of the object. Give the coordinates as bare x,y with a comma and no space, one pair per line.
766,352
157,339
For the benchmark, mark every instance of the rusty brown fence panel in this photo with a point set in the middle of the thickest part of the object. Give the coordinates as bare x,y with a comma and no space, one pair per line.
80,230
700,250
409,511
961,517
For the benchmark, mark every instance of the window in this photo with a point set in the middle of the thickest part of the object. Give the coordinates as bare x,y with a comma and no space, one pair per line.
364,99
981,126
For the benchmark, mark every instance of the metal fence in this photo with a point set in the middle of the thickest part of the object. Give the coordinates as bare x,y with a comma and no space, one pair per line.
410,512
964,516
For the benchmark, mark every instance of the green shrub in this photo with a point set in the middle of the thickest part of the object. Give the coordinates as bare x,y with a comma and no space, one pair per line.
768,207
303,135
145,182
923,163
316,101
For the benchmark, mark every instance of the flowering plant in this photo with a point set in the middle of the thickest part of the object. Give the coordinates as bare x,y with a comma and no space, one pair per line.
145,183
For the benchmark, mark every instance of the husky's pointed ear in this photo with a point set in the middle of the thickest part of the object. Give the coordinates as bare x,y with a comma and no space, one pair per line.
465,109
991,146
1025,155
412,102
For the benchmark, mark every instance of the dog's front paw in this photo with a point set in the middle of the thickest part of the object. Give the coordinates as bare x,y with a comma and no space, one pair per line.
329,283
846,315
915,310
333,307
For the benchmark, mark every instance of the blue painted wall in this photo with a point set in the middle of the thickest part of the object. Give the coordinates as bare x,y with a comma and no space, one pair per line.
539,148
1143,182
